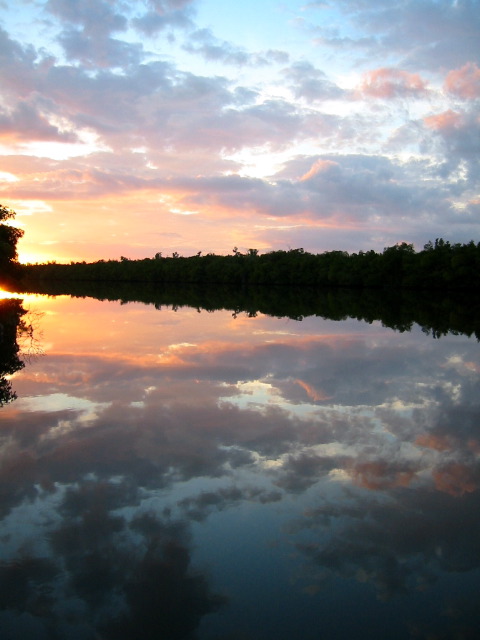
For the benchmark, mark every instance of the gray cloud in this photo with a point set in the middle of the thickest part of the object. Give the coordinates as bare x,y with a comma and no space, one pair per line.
178,430
422,34
154,22
201,506
359,449
458,135
382,542
162,14
27,123
124,575
164,128
337,187
310,83
204,42
95,17
94,52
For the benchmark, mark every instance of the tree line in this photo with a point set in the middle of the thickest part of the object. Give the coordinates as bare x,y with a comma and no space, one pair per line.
439,313
440,265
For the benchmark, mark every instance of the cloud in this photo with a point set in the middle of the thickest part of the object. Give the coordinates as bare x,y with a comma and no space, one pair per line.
345,189
318,167
125,575
392,83
200,507
179,430
381,474
154,22
457,479
26,123
17,68
464,82
422,34
310,83
343,192
162,14
136,117
299,472
446,121
94,52
86,33
375,196
92,15
458,133
381,543
204,42
357,448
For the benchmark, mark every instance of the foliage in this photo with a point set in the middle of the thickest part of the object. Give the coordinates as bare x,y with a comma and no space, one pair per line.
6,213
9,236
439,266
437,313
11,312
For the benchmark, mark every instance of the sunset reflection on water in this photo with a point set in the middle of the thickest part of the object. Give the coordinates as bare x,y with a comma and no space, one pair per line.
177,473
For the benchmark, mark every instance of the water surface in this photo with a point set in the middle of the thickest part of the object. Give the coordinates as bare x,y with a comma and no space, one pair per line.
183,474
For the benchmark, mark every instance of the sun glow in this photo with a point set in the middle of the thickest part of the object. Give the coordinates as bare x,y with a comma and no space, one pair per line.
4,295
26,257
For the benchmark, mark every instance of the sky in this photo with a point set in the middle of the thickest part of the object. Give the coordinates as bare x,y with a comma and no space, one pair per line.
131,127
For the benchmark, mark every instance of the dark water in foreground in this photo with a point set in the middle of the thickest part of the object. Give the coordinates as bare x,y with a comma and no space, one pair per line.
183,474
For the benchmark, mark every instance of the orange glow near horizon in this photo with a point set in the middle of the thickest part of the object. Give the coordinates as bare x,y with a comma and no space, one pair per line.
25,257
132,155
5,295
136,225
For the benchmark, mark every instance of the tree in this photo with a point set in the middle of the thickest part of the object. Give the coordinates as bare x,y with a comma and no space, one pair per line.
6,213
11,324
9,236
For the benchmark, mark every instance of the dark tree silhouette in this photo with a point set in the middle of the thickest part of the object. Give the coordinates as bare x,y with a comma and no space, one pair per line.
440,266
9,236
11,313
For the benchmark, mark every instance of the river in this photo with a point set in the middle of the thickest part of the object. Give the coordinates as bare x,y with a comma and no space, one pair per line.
172,473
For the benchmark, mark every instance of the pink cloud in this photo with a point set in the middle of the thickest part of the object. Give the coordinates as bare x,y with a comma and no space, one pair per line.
391,83
318,167
314,394
445,121
456,479
381,475
464,82
433,441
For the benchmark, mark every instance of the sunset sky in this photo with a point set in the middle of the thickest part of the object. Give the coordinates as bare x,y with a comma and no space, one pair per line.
129,127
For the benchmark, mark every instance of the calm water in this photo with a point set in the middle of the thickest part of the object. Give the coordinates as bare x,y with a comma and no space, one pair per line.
183,474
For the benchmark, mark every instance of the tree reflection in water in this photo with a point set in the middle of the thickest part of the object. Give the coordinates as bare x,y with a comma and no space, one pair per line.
323,475
125,579
11,323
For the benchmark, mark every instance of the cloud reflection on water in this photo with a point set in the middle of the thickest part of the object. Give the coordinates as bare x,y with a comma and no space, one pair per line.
355,447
